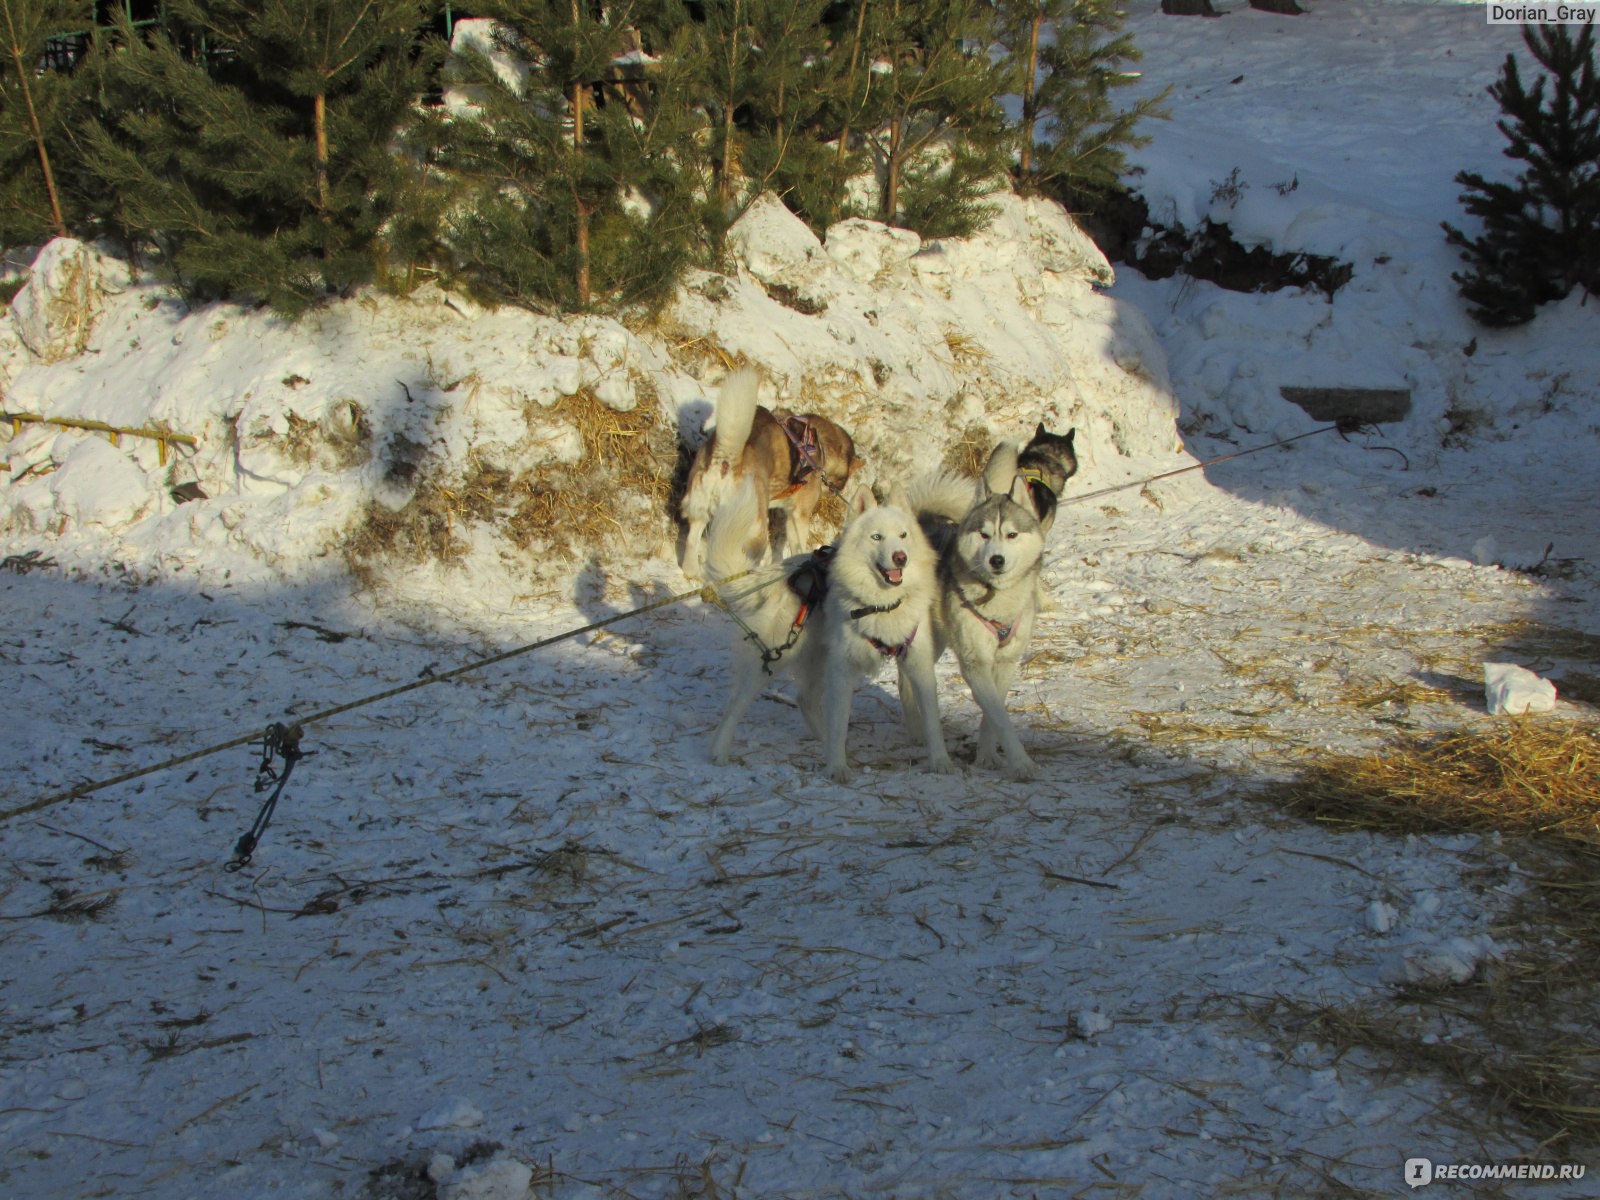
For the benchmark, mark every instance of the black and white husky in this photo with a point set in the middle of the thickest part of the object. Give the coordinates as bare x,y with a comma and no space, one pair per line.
1046,462
990,544
831,620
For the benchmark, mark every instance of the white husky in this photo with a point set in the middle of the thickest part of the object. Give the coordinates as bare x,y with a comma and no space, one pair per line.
990,543
878,585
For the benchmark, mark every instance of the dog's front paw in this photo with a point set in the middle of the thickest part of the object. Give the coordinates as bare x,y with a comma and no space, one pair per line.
987,758
940,764
1024,768
837,772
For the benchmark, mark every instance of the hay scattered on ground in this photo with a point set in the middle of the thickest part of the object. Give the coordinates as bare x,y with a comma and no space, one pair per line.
1518,1036
628,463
1485,1039
965,350
1518,777
562,510
968,454
1387,693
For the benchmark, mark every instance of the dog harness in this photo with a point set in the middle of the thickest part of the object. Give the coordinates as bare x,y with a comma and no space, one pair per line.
807,449
889,651
810,584
884,648
1001,632
1037,483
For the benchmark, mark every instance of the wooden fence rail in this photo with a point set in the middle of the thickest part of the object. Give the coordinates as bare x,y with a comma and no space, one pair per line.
116,432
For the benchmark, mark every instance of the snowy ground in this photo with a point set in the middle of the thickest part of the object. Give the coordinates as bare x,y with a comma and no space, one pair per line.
515,930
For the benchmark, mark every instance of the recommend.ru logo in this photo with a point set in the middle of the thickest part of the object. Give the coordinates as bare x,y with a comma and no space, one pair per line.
1423,1171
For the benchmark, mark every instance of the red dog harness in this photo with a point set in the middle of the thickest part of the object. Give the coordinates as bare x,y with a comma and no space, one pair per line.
888,651
807,450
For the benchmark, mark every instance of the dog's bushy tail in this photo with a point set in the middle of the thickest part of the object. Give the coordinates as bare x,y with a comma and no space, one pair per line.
940,494
736,539
736,413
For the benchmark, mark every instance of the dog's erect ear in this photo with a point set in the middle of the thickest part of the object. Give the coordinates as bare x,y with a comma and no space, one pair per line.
997,472
898,498
1072,433
861,501
1041,432
982,487
1019,493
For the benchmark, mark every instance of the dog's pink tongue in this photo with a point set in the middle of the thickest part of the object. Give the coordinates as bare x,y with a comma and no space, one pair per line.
893,575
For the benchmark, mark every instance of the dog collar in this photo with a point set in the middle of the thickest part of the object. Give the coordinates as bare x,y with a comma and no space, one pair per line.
1037,482
867,610
888,651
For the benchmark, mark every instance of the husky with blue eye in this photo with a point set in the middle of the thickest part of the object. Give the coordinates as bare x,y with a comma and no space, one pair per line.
831,619
990,543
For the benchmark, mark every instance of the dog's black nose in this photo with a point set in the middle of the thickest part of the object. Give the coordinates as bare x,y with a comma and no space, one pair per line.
997,562
899,558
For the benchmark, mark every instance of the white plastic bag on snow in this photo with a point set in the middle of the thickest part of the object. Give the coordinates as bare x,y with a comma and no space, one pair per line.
1513,690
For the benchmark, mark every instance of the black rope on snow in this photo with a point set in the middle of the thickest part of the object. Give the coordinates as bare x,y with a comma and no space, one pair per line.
284,741
279,741
87,788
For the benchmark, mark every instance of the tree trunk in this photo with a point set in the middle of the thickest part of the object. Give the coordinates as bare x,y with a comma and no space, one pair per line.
24,71
725,163
320,120
580,208
891,183
850,78
725,167
1029,115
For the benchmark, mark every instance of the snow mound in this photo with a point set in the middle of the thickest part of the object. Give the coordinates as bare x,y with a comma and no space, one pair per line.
896,337
54,315
394,405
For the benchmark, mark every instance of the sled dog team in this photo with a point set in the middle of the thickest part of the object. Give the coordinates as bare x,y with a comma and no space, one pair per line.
945,563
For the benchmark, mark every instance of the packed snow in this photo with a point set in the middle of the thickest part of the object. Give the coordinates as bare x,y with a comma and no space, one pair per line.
512,935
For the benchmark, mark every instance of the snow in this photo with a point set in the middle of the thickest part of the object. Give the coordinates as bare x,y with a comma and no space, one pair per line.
512,935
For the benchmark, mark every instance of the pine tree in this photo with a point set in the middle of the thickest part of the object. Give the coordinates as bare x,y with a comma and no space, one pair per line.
1069,56
941,137
769,80
37,109
255,146
1541,232
584,179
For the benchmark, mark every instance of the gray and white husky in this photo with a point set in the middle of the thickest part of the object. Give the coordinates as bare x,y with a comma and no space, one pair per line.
831,620
989,543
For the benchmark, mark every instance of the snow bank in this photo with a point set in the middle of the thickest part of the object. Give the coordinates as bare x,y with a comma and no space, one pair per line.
1333,164
900,338
302,428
